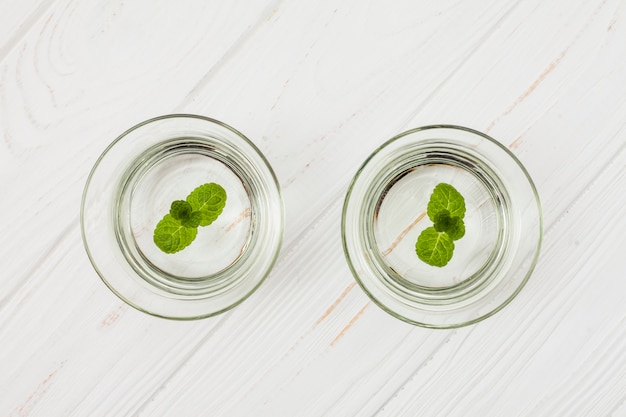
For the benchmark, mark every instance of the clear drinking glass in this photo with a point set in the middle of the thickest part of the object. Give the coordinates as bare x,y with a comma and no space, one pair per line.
385,211
131,188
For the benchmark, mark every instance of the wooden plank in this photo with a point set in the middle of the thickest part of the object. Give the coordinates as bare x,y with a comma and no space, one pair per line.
317,88
17,19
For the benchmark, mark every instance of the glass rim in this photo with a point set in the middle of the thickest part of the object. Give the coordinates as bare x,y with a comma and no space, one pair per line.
346,215
272,182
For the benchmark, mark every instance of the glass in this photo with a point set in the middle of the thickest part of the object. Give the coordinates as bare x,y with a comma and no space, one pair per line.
131,188
385,211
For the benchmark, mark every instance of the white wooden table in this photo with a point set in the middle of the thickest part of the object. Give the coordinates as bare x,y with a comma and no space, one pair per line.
317,85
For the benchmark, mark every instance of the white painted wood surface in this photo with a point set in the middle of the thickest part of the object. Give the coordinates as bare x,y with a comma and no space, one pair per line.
317,85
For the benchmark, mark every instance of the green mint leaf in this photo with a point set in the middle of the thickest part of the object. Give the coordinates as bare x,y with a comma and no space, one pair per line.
443,221
453,226
446,197
209,200
179,228
457,230
180,210
171,236
433,247
193,221
446,209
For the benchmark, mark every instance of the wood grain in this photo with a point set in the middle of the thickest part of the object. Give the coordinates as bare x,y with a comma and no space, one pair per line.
317,86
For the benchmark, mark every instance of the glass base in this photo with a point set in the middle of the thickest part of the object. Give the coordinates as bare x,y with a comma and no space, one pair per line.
401,217
176,170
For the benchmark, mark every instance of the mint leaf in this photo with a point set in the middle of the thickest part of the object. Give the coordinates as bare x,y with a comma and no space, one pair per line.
443,221
171,236
209,200
446,209
180,210
193,220
446,197
433,247
179,228
453,226
457,230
